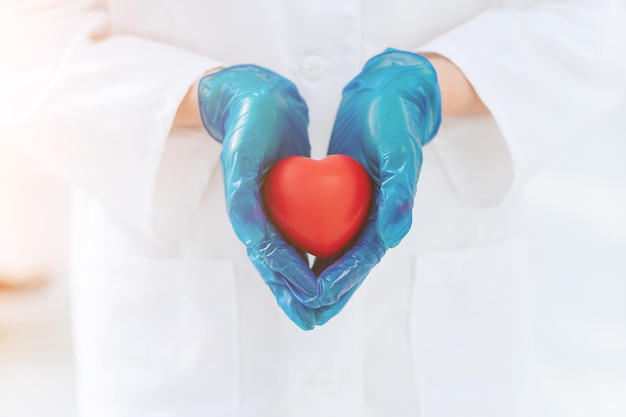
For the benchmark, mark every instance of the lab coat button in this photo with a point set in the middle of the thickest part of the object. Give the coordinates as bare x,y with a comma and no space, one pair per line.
313,67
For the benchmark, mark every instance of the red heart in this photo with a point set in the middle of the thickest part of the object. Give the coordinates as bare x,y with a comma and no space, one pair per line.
318,205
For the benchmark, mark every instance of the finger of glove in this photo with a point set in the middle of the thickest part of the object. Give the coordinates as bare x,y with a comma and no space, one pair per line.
242,175
324,314
396,198
378,131
250,146
350,134
320,264
278,262
303,317
352,268
346,128
395,128
261,131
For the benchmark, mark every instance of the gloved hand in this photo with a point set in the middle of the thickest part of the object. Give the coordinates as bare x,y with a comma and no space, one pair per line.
260,118
387,113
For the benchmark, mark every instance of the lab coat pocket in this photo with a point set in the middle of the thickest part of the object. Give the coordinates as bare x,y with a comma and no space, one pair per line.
156,338
471,336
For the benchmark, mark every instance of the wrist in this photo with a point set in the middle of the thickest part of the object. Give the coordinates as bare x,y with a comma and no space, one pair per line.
188,113
458,97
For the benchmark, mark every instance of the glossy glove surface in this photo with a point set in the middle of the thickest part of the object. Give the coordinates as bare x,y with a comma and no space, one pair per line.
260,118
387,114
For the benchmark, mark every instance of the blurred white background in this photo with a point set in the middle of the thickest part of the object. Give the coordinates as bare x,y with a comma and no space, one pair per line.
35,343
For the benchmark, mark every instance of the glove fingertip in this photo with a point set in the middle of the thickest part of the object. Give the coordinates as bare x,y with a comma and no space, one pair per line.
306,326
247,218
323,317
301,316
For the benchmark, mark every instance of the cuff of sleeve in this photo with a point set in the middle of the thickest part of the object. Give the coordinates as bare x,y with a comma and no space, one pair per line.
189,159
165,183
482,165
478,153
177,175
538,89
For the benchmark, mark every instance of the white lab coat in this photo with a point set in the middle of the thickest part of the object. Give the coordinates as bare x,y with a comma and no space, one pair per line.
171,319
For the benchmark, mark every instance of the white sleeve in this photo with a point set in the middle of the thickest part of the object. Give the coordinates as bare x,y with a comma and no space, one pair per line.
544,69
95,108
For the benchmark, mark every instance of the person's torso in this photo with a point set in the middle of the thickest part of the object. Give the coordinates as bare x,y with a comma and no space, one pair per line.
319,45
362,363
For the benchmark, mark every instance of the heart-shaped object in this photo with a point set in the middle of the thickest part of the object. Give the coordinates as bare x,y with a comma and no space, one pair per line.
319,205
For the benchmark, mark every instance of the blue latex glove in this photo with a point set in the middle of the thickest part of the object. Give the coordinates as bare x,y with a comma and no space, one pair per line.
387,113
260,118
